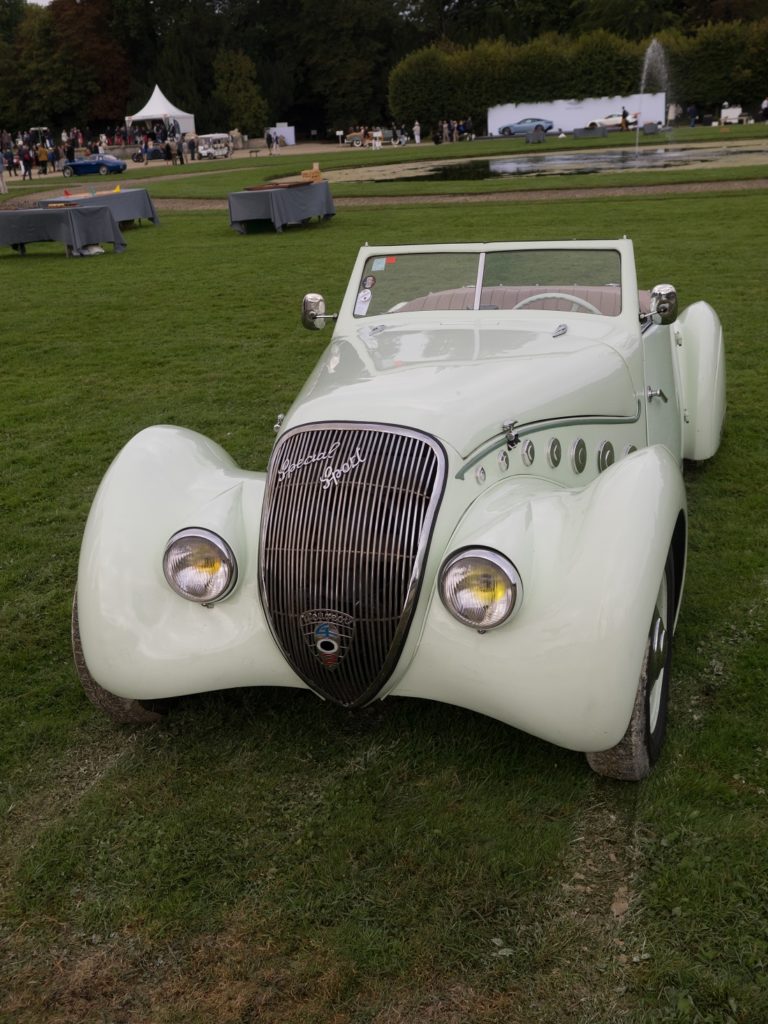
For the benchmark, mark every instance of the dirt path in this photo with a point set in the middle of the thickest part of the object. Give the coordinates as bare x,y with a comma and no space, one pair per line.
545,195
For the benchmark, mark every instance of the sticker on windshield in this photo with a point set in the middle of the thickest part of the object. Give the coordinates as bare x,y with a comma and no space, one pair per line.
364,295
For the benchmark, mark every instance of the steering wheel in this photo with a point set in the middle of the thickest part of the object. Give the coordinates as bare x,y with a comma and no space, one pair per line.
559,295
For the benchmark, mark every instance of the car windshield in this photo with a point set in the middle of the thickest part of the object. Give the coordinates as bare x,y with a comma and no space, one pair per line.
570,280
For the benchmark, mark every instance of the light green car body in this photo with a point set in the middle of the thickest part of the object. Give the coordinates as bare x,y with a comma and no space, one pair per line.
590,544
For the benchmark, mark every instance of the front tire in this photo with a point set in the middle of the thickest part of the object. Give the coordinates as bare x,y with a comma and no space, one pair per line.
103,170
67,172
635,754
119,709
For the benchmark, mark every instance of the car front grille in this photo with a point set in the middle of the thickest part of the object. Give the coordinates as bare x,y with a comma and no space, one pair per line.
347,520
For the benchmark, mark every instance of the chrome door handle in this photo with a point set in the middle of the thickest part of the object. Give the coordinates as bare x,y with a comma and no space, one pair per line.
652,393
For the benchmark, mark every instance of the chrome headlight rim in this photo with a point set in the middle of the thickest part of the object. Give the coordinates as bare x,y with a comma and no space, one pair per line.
222,550
499,563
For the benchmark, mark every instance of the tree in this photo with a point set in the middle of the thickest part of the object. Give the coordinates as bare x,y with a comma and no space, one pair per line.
36,71
641,19
239,93
93,73
11,13
348,47
425,86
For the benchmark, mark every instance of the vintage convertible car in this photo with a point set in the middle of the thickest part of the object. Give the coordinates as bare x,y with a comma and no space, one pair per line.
99,163
476,498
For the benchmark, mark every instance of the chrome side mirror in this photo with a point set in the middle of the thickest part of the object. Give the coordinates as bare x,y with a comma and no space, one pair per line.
664,304
313,314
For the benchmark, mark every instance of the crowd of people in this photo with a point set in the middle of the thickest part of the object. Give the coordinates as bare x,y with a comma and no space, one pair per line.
28,152
37,151
450,130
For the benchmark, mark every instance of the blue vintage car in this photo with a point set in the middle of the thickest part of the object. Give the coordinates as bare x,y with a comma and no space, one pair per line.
99,163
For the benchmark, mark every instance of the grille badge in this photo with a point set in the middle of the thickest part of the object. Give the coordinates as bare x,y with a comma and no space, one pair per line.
328,633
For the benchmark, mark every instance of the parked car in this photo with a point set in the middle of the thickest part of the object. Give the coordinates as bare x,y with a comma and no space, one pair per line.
614,121
215,145
98,163
526,126
357,139
476,498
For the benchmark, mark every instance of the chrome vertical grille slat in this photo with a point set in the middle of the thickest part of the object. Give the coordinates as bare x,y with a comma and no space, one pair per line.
342,556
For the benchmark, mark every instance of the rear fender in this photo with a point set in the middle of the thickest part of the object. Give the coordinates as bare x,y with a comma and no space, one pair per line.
699,339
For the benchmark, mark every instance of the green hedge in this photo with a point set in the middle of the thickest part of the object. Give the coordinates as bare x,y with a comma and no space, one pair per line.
725,62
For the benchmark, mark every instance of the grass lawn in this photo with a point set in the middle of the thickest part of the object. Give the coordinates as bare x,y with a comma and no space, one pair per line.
260,856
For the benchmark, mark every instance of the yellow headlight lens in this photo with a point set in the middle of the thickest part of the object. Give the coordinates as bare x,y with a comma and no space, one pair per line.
480,587
199,566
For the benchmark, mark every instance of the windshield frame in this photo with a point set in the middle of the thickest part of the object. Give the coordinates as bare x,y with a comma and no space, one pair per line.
622,278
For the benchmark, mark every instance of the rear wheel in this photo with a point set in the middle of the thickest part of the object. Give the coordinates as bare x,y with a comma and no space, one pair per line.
103,169
636,753
67,172
120,709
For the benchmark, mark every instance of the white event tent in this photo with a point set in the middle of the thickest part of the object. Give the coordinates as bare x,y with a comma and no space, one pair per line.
158,108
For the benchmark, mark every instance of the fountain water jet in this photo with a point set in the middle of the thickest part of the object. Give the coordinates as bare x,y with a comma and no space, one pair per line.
656,70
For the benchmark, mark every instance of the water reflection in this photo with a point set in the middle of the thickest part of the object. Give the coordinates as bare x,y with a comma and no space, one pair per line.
570,163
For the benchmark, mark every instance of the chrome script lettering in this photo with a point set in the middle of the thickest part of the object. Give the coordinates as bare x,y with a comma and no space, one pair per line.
332,474
288,468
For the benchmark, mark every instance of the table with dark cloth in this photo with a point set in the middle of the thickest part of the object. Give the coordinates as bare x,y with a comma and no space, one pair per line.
280,205
126,205
76,227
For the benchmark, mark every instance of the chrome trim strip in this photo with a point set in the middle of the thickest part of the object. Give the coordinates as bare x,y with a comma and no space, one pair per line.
523,429
479,282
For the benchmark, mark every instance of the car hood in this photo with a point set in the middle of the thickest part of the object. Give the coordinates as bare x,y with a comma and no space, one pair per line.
461,384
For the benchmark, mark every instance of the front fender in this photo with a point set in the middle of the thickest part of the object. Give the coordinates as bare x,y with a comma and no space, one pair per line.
140,639
567,666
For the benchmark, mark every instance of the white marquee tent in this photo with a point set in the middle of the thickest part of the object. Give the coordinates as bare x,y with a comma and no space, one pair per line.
158,108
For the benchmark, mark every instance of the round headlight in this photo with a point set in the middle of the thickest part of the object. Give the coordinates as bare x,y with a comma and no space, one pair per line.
199,566
480,587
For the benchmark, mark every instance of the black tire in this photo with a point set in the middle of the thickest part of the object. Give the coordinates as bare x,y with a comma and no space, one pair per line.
119,709
637,752
103,169
67,172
